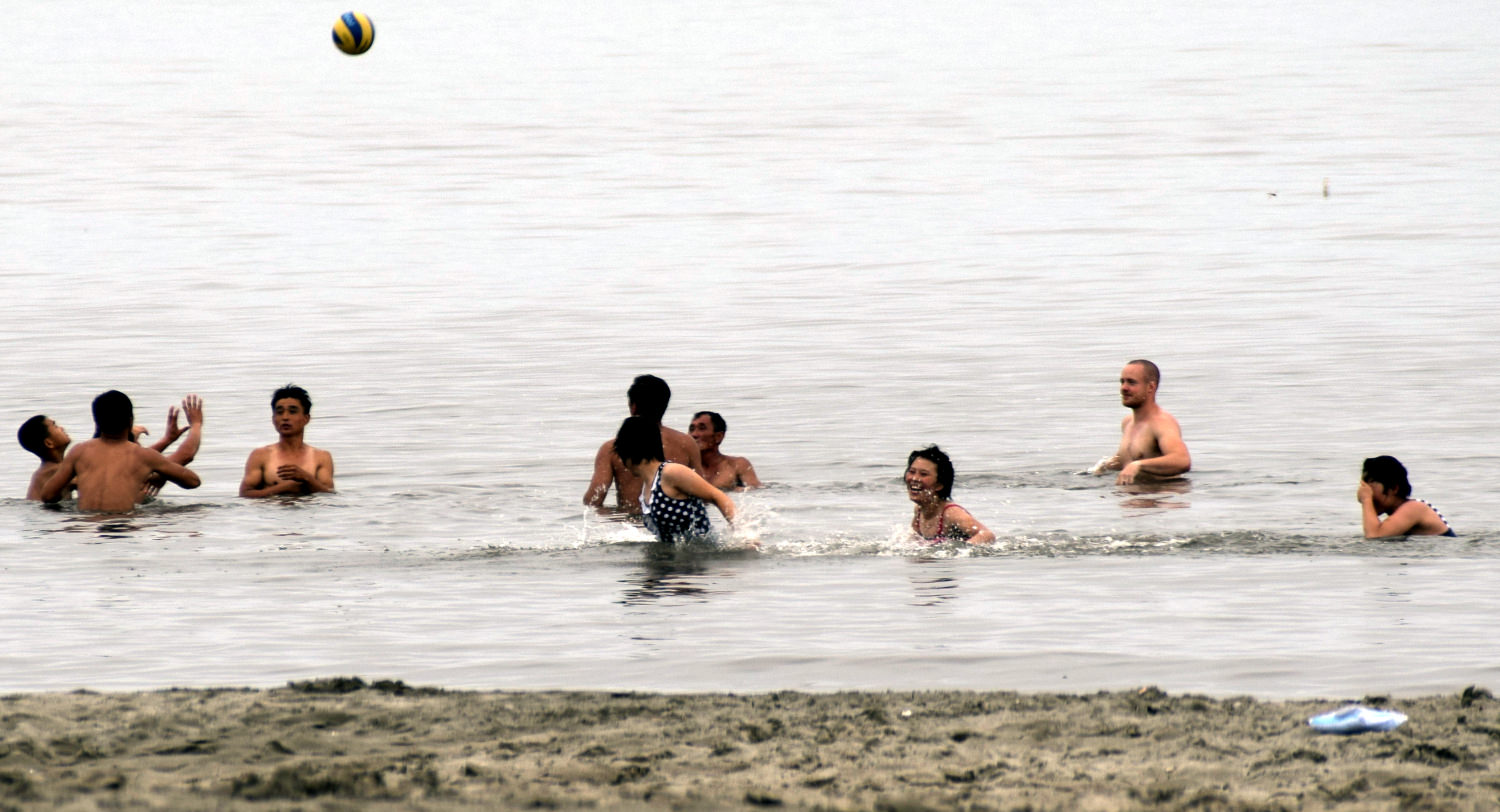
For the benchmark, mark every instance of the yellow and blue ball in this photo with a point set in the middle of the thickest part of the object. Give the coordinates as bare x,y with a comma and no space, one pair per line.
354,33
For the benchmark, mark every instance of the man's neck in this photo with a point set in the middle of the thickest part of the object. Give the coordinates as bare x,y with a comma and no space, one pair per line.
1145,411
291,443
710,456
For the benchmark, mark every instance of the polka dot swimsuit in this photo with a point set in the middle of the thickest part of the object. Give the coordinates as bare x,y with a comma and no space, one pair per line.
671,519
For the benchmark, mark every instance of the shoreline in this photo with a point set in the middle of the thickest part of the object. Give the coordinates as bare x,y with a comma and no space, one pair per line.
342,743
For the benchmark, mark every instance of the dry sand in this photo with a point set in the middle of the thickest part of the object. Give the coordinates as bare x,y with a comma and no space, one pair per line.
342,744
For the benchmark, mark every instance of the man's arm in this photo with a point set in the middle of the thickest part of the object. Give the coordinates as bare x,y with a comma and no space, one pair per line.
604,473
170,435
192,406
746,472
319,480
1174,459
177,474
59,481
251,484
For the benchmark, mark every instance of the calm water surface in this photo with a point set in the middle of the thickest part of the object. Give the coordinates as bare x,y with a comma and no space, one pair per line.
853,229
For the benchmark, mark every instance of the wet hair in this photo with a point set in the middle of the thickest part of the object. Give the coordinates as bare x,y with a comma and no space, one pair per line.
114,414
292,390
1388,471
935,455
33,434
639,440
1153,374
715,418
650,395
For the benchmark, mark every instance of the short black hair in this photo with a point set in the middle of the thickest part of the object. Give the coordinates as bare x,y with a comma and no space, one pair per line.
32,435
650,395
1153,373
1388,471
715,418
292,390
114,414
944,465
639,440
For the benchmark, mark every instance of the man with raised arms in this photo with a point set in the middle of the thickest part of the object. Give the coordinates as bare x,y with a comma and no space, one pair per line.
648,397
42,436
721,470
289,465
112,472
1151,445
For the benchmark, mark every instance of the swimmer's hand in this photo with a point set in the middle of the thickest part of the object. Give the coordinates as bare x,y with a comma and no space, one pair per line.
1365,494
173,429
152,486
1109,463
293,473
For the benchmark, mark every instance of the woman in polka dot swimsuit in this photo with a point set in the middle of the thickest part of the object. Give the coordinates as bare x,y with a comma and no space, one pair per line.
673,503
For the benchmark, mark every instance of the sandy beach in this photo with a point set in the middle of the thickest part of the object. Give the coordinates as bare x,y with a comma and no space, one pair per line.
344,744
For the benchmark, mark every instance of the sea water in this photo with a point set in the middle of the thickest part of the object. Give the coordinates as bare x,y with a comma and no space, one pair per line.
853,229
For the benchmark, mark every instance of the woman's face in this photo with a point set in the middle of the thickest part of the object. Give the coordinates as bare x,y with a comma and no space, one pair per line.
922,480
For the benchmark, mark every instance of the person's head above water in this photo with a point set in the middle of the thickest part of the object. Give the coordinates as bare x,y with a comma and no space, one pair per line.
296,392
942,465
34,433
114,414
1151,372
649,396
639,441
1389,473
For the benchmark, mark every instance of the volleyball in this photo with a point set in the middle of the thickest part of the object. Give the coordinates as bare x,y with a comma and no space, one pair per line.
354,33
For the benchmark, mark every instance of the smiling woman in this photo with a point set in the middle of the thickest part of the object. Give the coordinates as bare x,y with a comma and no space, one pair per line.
936,518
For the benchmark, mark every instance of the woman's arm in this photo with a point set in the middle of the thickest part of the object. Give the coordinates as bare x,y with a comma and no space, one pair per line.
686,482
974,532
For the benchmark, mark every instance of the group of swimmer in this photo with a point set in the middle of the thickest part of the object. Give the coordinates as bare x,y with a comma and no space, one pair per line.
113,472
665,476
668,478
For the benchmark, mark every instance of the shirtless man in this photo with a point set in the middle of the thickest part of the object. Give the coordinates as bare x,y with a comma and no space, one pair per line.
42,436
721,470
288,465
112,472
1151,445
648,397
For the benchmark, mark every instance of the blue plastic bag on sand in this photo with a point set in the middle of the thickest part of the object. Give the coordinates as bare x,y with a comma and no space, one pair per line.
1357,719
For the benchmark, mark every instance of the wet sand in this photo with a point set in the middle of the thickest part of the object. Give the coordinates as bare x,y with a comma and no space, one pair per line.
343,744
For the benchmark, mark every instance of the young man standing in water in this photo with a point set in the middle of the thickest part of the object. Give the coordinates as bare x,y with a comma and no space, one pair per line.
288,465
1151,445
648,397
112,472
42,436
721,470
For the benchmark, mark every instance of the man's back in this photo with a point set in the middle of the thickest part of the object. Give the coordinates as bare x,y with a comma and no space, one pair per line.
111,472
678,447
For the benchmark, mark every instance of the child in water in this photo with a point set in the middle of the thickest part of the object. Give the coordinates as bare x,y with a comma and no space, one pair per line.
672,495
1385,491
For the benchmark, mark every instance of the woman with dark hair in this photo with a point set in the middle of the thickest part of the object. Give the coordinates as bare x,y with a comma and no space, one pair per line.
672,495
1385,491
936,518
